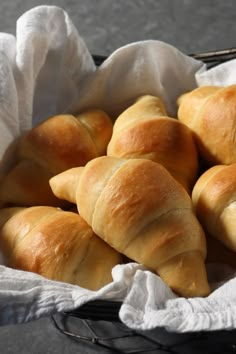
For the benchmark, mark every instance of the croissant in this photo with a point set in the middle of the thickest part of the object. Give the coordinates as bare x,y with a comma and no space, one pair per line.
214,199
210,112
56,244
138,208
145,131
55,145
27,184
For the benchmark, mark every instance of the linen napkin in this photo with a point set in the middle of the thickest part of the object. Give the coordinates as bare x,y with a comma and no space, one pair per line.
47,69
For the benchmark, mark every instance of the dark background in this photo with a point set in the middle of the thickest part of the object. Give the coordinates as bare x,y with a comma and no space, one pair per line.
190,25
193,27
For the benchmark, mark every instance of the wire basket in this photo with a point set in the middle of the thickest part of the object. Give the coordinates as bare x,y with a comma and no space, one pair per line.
106,336
97,323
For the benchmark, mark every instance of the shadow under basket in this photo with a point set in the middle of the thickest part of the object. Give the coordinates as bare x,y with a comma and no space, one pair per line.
96,325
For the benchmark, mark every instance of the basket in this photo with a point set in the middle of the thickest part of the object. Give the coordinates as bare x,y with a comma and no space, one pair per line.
97,323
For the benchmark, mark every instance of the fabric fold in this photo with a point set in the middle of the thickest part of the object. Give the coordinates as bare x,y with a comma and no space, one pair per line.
47,69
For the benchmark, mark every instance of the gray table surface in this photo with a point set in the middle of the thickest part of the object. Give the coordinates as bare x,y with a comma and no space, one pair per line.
193,26
190,25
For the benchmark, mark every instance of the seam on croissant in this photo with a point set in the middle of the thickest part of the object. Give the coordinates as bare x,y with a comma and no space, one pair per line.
43,218
88,130
140,231
120,163
132,123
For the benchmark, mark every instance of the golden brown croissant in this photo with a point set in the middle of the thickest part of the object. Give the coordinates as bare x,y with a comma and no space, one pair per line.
27,184
56,244
55,145
138,208
214,199
145,131
210,112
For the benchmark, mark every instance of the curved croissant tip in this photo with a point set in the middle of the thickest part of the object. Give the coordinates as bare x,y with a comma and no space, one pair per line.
186,275
65,183
181,98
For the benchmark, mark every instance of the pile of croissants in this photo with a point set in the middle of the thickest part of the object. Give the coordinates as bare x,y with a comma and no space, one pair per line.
87,192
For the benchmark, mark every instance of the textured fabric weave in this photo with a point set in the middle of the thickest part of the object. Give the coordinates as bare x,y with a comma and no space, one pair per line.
47,69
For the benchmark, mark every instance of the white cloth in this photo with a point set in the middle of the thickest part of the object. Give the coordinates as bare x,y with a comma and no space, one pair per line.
47,69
